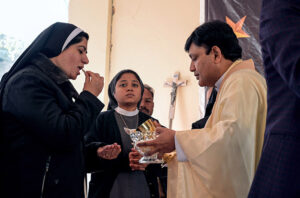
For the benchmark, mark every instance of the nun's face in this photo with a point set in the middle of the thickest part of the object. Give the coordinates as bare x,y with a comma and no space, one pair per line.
73,59
128,91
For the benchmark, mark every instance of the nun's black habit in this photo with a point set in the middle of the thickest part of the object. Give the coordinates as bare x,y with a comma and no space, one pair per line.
41,127
114,178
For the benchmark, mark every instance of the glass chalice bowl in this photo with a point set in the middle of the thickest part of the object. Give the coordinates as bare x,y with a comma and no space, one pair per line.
148,132
144,132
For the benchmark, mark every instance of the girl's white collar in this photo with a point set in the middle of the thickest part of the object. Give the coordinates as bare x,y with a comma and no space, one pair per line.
125,112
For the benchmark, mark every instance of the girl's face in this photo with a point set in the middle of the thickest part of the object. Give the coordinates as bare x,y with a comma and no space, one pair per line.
128,91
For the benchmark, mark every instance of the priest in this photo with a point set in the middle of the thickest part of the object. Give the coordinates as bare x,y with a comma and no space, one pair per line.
219,160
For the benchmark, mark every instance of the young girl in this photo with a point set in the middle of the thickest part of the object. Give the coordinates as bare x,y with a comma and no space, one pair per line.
115,178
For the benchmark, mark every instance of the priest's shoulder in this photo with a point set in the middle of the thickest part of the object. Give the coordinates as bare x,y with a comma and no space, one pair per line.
246,75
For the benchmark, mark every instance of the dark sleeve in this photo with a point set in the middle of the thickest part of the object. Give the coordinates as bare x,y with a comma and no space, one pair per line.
164,180
38,106
280,41
92,142
103,133
155,172
200,123
212,99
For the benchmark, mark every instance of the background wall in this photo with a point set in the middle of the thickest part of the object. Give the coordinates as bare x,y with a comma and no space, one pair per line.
148,37
93,17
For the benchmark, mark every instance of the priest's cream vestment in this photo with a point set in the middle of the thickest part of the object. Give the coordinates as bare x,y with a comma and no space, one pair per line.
221,158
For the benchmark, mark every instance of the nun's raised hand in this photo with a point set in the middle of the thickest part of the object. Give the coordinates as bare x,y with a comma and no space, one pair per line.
134,157
109,152
93,83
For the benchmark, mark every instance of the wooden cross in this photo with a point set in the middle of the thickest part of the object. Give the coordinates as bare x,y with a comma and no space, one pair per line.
175,83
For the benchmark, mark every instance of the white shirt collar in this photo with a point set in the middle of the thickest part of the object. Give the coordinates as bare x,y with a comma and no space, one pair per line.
125,112
218,83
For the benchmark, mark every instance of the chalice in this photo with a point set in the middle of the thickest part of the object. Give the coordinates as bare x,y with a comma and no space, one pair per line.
144,132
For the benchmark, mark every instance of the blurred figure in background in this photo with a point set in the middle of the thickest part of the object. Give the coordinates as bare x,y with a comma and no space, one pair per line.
147,103
278,173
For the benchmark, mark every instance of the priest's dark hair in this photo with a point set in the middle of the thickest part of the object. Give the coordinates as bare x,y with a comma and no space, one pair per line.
216,33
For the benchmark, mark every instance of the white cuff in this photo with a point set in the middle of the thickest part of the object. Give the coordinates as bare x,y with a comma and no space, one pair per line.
180,154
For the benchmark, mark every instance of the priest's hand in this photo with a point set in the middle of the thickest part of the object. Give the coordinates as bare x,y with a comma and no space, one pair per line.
164,143
109,151
134,157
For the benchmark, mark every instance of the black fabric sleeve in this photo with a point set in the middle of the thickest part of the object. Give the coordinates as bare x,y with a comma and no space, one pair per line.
40,106
104,131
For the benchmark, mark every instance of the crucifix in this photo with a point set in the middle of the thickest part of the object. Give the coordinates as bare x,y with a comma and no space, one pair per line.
174,84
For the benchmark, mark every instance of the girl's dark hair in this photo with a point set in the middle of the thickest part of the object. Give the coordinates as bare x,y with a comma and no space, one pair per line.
112,87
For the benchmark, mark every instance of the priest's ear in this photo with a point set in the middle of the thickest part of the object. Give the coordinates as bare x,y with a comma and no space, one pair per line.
217,53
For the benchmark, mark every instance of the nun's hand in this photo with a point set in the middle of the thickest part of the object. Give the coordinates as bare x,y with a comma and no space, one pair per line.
134,157
109,151
93,83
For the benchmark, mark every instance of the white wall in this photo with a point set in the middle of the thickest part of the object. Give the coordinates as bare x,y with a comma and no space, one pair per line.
92,16
148,37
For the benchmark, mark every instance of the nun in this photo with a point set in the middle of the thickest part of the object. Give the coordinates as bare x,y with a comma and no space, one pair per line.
116,178
44,119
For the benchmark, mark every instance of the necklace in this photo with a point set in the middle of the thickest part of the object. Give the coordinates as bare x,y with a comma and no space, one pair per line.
123,120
